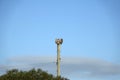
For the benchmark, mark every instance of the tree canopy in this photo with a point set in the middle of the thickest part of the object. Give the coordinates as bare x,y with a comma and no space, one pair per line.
33,74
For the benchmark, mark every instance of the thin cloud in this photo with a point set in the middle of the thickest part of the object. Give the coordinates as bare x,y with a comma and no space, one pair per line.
92,67
83,67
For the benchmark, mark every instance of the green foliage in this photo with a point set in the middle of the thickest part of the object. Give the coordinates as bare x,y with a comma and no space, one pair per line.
32,74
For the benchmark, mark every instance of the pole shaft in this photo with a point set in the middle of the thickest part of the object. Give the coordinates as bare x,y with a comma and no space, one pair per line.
58,60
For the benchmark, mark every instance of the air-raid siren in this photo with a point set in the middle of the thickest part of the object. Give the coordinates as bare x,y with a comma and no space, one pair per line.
59,41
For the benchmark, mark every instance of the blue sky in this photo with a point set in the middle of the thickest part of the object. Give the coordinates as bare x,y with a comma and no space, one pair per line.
89,28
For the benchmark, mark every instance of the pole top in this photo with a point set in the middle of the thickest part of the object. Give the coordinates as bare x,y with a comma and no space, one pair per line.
59,41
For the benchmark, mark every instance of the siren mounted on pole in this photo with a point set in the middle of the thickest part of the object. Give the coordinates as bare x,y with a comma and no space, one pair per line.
58,42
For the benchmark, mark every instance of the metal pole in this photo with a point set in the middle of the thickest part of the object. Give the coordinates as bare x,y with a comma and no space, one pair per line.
58,42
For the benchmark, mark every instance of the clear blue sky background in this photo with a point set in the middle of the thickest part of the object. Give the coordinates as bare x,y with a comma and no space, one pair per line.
89,28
